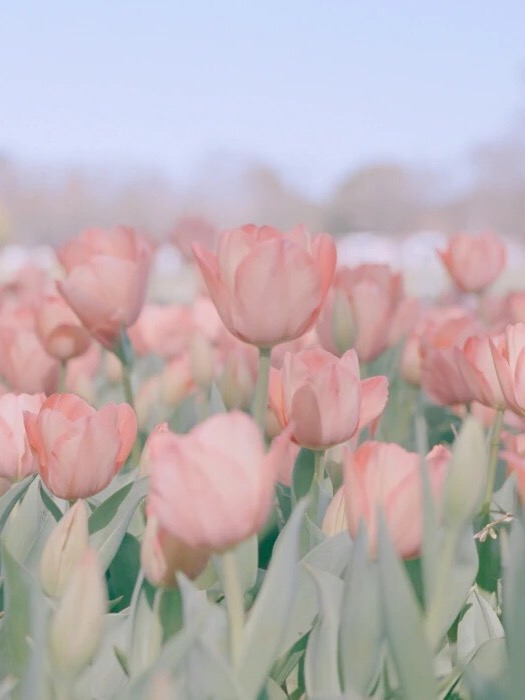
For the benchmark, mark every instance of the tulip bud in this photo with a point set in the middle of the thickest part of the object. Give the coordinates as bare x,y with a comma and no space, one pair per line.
467,477
76,626
236,383
163,555
335,520
64,549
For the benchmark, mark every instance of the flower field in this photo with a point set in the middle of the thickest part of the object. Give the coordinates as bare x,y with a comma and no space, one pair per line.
269,476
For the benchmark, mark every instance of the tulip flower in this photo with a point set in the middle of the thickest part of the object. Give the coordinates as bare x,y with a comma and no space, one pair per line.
323,397
360,311
163,555
16,458
213,487
386,475
508,353
107,274
79,450
268,287
474,262
59,328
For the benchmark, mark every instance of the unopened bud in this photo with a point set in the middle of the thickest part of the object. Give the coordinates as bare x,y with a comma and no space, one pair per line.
76,626
64,549
467,476
334,520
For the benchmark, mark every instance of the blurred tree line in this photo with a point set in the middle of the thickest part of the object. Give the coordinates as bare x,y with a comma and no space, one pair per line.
42,206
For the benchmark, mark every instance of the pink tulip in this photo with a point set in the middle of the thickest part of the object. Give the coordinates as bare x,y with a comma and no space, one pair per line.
24,363
79,450
213,487
162,556
190,230
268,287
164,330
59,328
474,262
106,281
360,310
16,458
508,353
323,397
387,476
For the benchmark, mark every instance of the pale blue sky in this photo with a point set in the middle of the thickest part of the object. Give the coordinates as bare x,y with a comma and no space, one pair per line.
312,87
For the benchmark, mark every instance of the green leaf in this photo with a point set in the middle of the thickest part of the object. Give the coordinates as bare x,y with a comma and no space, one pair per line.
49,503
321,659
478,625
268,619
404,626
456,571
28,527
123,571
146,633
303,473
272,692
486,669
331,555
514,609
16,622
361,631
109,522
11,498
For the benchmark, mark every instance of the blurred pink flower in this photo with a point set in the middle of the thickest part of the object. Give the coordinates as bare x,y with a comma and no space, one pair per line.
107,275
474,261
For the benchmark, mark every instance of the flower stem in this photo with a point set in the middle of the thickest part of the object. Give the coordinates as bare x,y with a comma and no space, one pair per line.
62,374
319,465
493,459
235,604
126,384
261,390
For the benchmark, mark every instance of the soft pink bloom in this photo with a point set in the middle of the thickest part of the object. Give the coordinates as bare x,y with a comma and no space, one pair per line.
387,476
59,328
164,330
149,445
82,372
190,230
323,397
479,371
213,487
24,363
360,311
474,262
79,449
442,378
508,353
106,281
268,286
162,556
516,307
177,381
16,458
